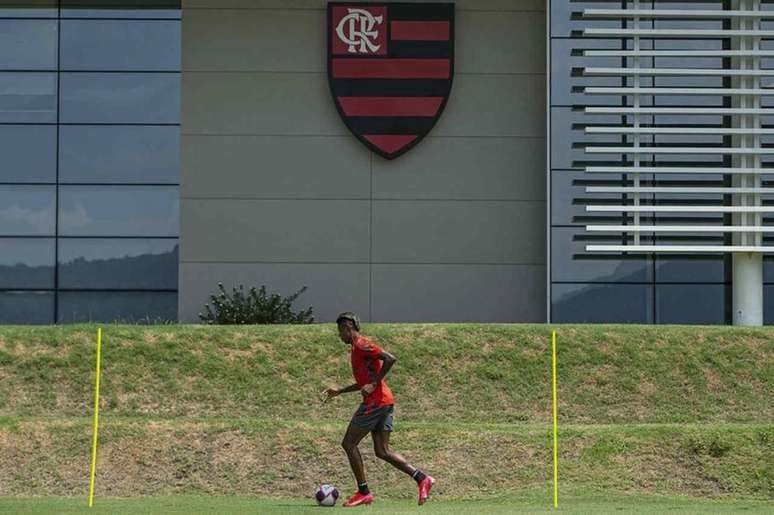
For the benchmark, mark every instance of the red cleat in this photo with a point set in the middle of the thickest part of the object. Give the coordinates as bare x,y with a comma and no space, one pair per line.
358,499
424,489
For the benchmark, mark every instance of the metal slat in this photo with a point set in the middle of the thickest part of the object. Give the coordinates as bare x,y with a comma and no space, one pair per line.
679,228
678,110
680,209
677,33
590,90
671,189
687,249
674,130
677,72
676,13
677,53
680,170
679,150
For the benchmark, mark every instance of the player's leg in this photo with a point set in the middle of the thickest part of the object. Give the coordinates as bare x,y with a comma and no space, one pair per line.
358,428
384,452
352,438
381,437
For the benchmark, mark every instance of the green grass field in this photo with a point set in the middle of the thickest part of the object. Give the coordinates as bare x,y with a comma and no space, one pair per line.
227,419
185,505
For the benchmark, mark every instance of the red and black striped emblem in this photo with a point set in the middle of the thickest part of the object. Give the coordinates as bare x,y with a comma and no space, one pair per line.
390,68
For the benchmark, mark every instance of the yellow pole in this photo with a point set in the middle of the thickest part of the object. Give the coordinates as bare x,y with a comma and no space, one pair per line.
553,396
96,421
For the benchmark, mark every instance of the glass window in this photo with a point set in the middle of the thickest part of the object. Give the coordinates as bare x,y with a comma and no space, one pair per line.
768,304
571,262
28,44
566,57
118,211
569,141
120,8
690,269
27,263
602,303
691,304
569,198
28,153
563,23
26,307
120,98
31,9
104,154
27,210
27,97
120,45
116,306
131,264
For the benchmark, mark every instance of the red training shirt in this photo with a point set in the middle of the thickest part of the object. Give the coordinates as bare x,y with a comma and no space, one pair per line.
366,367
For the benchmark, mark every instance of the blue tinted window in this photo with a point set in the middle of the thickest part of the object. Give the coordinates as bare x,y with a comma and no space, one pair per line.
691,304
26,263
28,153
120,8
598,303
28,44
571,262
120,45
144,98
690,269
118,211
116,306
28,97
133,264
27,210
105,154
23,307
30,9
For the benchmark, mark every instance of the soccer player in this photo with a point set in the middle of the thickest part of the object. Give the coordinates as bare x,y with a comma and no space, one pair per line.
369,366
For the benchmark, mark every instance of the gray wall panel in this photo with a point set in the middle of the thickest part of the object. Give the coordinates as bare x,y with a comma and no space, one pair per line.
459,232
275,166
485,5
300,103
465,168
452,231
495,105
258,103
331,288
463,293
485,42
275,230
280,40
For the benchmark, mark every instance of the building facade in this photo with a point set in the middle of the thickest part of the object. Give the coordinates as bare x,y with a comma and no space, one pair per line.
154,150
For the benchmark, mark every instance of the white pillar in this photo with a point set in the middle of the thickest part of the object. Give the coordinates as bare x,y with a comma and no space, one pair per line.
748,289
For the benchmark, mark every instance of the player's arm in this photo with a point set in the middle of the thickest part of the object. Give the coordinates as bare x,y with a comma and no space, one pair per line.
334,392
388,360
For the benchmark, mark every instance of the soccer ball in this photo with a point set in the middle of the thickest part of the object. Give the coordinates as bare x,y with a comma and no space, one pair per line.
326,495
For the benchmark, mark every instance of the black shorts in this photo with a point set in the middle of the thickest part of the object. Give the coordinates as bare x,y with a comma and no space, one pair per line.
374,419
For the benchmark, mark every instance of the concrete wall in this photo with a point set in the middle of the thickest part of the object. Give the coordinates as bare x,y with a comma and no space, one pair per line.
276,191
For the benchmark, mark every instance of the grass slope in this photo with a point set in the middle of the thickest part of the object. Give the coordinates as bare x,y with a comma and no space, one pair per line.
234,410
531,503
500,373
288,458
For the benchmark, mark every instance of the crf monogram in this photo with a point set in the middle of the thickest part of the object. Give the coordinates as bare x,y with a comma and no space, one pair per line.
356,29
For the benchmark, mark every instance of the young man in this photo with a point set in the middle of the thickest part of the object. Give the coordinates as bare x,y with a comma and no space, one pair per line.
369,366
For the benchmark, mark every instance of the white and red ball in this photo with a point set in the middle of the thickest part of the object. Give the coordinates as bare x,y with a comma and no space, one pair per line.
326,495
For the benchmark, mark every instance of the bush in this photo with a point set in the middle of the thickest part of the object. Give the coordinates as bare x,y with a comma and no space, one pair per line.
255,307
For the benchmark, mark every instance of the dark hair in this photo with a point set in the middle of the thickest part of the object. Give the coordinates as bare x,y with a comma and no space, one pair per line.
348,315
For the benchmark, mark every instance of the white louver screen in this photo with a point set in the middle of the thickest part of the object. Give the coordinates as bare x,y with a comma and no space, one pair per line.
688,94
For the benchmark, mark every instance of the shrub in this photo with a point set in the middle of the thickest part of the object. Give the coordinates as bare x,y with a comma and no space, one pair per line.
254,307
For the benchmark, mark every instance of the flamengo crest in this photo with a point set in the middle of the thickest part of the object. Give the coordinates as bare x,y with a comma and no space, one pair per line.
390,69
